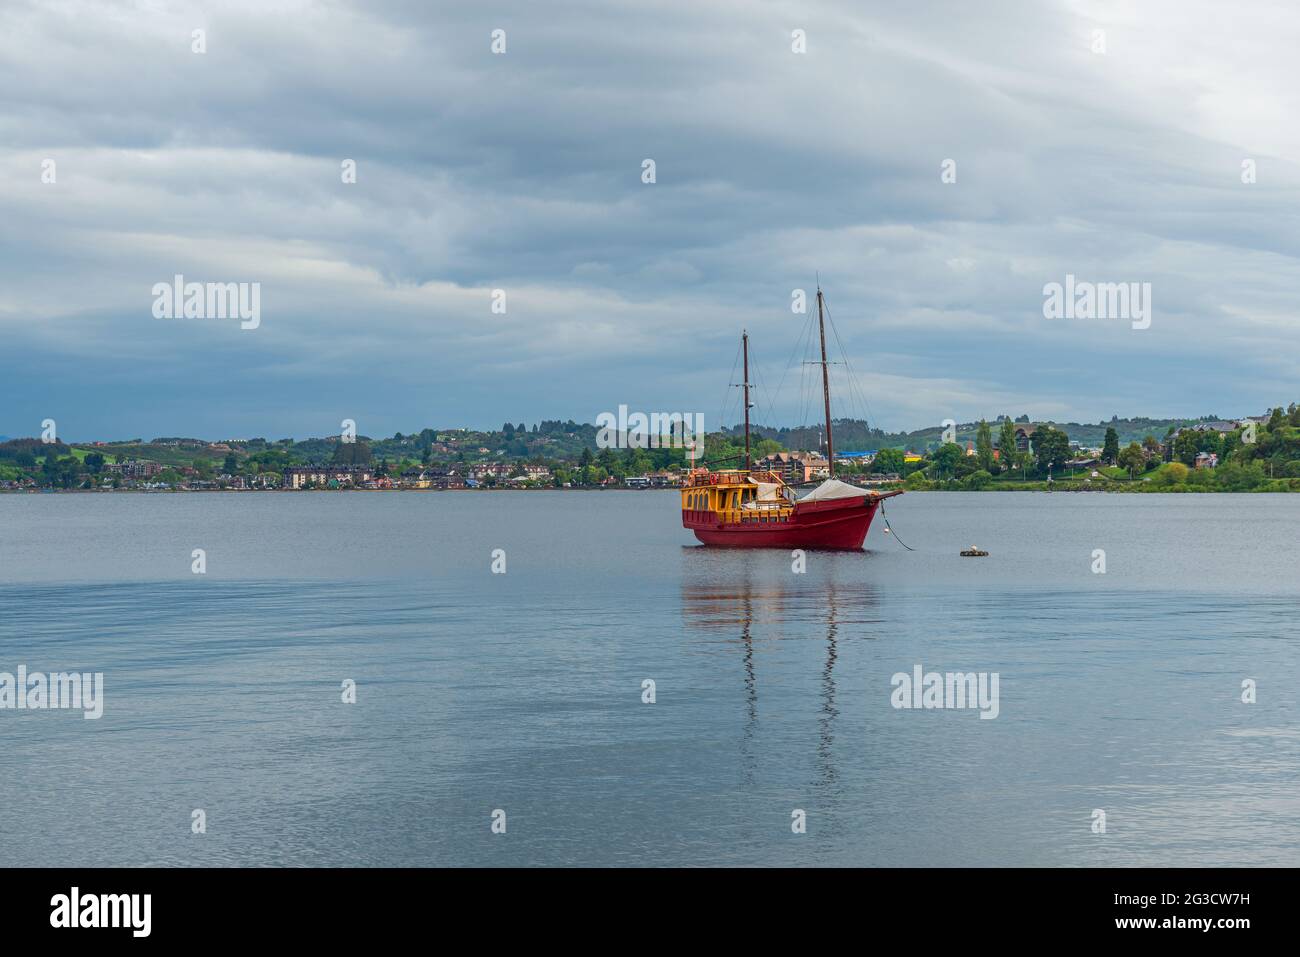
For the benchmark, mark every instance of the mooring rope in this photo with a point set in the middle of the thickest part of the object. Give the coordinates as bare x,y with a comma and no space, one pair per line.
890,528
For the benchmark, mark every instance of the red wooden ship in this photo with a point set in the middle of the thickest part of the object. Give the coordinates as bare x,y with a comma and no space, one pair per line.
743,508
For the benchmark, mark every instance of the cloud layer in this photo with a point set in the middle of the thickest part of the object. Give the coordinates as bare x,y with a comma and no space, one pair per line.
522,172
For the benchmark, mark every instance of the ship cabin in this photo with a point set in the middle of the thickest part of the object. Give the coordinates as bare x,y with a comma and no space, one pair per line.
735,496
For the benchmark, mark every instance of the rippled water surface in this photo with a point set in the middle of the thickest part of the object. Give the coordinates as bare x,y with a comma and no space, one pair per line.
523,691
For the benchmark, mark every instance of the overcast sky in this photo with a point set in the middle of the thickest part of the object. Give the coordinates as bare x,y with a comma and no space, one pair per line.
522,171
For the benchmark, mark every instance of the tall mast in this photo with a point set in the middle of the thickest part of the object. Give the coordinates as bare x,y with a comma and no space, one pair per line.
826,386
744,342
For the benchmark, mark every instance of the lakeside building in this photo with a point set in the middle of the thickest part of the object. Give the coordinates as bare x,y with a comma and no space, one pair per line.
417,478
1025,436
1221,427
428,478
491,470
334,476
796,468
133,469
876,479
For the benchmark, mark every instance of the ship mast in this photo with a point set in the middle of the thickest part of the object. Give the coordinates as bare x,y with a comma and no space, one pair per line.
744,342
826,387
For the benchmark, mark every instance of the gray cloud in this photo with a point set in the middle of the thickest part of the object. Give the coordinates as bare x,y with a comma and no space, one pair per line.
522,172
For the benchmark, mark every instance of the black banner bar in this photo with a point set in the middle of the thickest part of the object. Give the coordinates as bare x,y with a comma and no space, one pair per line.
1218,907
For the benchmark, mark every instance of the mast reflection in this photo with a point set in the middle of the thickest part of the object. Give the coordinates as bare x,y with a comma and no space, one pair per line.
748,600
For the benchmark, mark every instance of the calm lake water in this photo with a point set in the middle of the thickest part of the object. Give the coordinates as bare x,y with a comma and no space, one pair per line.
523,691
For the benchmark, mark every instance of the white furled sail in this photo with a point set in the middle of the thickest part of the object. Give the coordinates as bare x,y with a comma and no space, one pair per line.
769,496
833,489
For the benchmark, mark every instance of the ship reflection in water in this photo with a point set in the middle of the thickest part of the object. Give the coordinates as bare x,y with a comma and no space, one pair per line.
755,606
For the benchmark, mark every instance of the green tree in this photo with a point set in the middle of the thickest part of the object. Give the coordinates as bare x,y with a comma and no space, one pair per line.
916,482
1007,453
888,461
946,457
1191,441
351,453
1239,478
984,446
1132,459
1051,448
1110,448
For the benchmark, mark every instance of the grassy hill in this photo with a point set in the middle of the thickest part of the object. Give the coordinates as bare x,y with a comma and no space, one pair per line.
149,452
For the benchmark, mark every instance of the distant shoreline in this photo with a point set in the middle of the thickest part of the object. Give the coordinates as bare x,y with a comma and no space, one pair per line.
1029,487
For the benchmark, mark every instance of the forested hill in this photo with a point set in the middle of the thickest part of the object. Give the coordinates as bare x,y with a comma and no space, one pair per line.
856,435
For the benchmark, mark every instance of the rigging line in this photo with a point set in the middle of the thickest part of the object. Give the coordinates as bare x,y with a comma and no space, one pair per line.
854,388
726,396
807,331
854,395
807,379
891,529
774,400
771,405
720,460
857,388
757,386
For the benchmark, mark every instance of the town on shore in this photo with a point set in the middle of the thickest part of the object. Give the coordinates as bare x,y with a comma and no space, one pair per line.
1253,453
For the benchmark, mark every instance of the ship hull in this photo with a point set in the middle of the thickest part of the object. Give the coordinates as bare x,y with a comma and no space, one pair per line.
839,524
